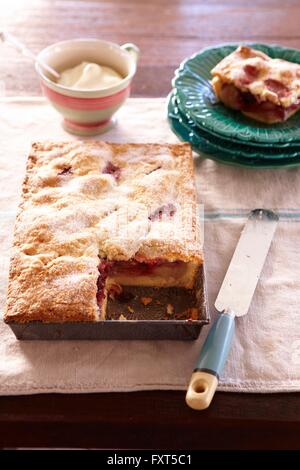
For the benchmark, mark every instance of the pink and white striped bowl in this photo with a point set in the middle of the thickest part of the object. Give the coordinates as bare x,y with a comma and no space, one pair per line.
88,112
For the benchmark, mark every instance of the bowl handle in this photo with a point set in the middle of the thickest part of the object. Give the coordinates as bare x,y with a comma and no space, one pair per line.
133,50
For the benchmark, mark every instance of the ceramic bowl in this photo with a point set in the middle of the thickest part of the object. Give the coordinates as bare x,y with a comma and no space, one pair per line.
88,112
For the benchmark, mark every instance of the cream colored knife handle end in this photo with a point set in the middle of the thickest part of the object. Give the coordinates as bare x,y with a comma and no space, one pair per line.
201,390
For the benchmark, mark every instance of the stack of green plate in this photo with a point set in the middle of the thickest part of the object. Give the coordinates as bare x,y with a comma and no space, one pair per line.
221,133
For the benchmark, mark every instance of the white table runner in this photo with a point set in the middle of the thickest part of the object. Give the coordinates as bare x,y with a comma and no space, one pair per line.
266,353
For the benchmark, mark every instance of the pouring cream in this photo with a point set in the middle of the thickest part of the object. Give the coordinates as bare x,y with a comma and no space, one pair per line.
89,76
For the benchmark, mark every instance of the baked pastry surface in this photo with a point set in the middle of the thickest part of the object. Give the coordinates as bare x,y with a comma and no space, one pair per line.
93,214
262,88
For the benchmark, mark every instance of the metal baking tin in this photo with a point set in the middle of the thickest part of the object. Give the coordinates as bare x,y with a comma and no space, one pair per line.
111,329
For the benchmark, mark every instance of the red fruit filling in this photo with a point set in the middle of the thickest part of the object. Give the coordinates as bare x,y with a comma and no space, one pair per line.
277,87
111,169
232,97
136,268
250,74
168,210
102,268
117,269
65,171
244,101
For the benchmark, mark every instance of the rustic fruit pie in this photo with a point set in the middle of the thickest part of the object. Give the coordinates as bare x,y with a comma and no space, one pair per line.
264,89
99,221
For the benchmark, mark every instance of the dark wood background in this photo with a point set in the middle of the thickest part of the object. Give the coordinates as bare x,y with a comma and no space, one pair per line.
166,32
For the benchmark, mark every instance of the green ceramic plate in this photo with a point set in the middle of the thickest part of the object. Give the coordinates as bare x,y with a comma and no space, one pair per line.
292,147
236,149
181,127
197,99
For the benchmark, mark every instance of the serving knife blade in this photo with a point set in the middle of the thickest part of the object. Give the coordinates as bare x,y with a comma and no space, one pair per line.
247,262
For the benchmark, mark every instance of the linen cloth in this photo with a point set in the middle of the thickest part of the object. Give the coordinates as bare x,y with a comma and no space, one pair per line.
265,356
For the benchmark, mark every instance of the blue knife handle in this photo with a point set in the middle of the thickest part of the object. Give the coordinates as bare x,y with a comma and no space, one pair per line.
210,362
217,345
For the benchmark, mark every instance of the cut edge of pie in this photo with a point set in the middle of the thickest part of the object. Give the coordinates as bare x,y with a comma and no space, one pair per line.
152,273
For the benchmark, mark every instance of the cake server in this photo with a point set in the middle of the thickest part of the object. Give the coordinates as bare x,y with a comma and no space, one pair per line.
233,300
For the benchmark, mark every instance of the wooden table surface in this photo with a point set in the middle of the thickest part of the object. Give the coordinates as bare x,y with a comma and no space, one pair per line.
166,32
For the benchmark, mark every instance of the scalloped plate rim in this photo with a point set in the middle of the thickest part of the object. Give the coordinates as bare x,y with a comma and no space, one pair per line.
197,148
239,150
263,145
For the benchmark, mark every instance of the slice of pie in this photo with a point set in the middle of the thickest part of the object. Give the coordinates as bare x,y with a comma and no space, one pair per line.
95,217
265,89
